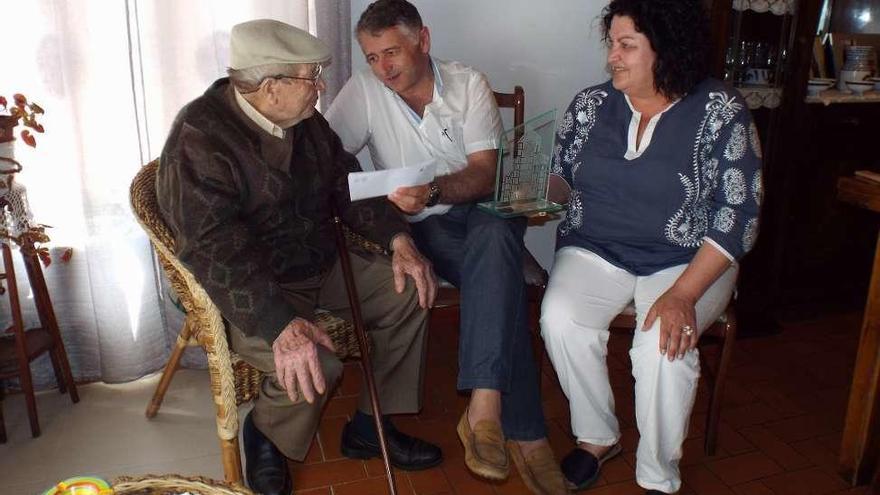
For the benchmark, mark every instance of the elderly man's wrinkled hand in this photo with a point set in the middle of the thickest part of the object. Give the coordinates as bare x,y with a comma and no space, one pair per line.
678,323
296,359
407,260
411,200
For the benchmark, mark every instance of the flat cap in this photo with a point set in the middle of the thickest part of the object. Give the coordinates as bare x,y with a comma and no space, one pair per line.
267,41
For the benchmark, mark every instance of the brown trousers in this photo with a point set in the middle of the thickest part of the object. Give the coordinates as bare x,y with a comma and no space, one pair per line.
396,327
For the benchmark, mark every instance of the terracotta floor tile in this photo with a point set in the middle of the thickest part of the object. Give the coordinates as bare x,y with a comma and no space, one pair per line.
859,490
429,482
328,473
776,399
753,373
704,482
626,413
560,439
315,453
464,482
316,491
802,427
512,486
832,441
752,488
776,449
686,490
745,467
623,488
697,425
816,452
617,470
694,452
352,379
780,429
807,482
555,403
755,413
736,394
629,439
330,436
731,441
340,406
701,404
372,486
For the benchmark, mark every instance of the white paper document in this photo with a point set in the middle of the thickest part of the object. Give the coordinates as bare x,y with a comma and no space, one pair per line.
363,185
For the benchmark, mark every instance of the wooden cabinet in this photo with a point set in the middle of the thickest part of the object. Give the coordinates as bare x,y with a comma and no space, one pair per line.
813,253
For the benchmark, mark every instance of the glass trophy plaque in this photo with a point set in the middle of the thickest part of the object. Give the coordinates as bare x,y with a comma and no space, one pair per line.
523,168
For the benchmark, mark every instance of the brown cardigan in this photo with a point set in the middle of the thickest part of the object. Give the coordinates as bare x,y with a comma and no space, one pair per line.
249,210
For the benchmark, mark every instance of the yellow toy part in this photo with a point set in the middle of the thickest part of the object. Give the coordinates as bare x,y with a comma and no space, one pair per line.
81,485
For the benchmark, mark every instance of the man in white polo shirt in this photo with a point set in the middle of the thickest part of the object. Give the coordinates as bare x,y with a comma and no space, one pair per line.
410,108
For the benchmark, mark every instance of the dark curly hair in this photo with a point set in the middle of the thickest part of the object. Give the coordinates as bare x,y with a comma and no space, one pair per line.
678,31
385,14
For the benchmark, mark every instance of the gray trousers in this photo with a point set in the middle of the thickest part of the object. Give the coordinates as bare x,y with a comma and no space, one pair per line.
396,326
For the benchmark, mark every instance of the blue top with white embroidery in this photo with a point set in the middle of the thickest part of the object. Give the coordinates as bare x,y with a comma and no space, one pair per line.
695,177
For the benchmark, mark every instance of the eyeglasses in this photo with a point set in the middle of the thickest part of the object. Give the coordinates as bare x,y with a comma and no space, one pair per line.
316,75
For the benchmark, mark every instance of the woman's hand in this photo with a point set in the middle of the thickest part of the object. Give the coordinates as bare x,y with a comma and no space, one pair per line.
678,322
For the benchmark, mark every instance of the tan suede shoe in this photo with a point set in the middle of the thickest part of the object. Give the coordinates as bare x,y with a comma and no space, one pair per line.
539,471
484,451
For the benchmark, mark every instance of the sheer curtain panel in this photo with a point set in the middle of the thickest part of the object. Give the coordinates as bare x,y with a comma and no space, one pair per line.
111,76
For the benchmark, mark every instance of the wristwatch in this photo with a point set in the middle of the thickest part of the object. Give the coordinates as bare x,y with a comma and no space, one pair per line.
433,194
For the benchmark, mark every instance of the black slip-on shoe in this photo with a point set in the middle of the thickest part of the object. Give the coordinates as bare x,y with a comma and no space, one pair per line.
581,468
266,467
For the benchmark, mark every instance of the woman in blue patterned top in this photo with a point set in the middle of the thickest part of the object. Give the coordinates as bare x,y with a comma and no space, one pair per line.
661,169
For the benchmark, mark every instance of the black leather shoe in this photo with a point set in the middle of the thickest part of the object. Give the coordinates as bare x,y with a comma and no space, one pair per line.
266,466
406,452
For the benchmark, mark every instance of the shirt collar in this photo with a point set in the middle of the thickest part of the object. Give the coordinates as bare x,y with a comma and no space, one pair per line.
438,79
438,93
258,118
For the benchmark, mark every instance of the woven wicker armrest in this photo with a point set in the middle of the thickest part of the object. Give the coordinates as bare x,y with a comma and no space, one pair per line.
173,484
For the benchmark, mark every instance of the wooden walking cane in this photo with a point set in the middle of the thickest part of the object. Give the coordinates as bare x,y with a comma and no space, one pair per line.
355,303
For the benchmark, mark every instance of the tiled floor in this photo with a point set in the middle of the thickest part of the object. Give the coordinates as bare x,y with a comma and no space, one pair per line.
781,424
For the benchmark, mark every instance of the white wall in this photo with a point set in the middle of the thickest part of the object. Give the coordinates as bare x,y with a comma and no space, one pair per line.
552,49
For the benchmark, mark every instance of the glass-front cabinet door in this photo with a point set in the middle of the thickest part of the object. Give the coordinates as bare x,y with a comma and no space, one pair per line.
757,49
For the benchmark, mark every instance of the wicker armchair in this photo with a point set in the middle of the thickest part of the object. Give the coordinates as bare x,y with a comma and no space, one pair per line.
172,484
233,381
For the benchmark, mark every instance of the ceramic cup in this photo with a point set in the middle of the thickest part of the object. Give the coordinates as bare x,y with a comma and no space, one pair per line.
859,87
814,86
851,75
757,77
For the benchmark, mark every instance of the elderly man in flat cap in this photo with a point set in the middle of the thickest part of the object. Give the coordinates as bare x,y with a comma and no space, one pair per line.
409,108
245,183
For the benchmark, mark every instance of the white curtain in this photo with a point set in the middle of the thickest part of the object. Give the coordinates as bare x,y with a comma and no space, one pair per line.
111,76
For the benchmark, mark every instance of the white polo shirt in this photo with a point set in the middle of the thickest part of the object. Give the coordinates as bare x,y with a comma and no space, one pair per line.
462,119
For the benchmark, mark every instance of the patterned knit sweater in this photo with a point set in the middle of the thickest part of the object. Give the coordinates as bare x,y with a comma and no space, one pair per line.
249,210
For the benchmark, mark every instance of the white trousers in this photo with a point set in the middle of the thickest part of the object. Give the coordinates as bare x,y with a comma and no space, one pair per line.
584,294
